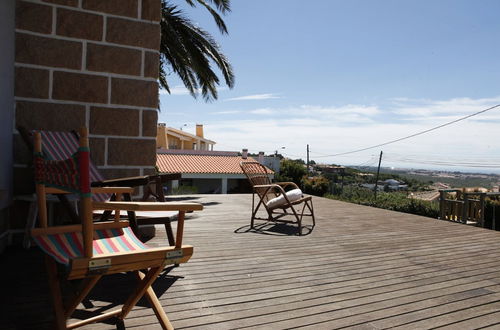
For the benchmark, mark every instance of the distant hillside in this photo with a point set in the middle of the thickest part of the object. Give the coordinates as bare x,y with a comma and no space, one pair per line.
454,179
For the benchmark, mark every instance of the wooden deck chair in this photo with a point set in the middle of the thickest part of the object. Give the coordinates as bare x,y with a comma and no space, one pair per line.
91,250
61,145
277,202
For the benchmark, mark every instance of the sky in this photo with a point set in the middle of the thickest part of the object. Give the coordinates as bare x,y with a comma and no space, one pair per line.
344,75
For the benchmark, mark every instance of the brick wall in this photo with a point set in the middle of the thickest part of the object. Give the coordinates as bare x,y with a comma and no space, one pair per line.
92,63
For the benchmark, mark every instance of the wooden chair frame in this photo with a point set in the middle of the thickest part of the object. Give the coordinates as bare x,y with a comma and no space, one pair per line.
146,264
263,191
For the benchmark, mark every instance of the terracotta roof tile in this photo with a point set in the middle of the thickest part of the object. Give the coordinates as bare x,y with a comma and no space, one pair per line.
168,163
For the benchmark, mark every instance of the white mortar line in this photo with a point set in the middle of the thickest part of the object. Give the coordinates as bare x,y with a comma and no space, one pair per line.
51,83
139,9
111,106
58,37
89,11
54,21
109,90
140,122
105,151
87,116
84,57
87,72
143,62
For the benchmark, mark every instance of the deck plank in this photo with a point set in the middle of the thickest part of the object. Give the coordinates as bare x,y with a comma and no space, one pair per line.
360,268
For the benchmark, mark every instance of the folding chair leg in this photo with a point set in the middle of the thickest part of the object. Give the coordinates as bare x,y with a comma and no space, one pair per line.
88,284
55,291
170,233
156,306
139,291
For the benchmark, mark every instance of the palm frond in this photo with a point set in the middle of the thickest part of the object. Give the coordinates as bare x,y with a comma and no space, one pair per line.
189,52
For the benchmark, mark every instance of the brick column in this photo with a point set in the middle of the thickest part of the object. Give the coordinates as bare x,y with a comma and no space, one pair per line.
92,63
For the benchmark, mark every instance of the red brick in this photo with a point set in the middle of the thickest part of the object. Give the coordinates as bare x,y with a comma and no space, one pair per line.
132,33
149,122
113,59
111,121
25,184
134,92
75,24
22,154
32,83
115,7
80,87
151,64
151,10
33,17
72,3
97,150
131,152
47,51
49,116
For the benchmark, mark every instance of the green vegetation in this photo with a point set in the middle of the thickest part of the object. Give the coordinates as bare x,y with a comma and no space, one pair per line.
291,170
317,185
184,190
391,201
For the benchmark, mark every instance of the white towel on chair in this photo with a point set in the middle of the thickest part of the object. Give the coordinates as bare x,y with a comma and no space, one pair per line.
292,195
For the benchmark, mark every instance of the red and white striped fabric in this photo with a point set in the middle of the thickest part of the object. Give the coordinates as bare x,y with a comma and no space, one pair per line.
61,146
66,246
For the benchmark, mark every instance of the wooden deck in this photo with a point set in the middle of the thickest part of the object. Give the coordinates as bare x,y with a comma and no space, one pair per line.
360,267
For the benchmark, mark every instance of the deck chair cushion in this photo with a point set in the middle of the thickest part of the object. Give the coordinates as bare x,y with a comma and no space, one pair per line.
65,246
293,195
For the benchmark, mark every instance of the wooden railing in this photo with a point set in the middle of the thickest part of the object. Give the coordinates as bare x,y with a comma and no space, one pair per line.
463,209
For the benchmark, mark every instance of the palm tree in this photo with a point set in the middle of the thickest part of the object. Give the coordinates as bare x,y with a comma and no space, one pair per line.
189,51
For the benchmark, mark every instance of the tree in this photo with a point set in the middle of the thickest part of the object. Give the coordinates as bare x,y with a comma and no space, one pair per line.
291,170
189,51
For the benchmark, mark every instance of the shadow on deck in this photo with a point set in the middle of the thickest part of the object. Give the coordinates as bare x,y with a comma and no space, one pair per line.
360,267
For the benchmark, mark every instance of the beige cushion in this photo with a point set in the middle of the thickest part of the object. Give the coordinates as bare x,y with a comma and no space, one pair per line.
292,195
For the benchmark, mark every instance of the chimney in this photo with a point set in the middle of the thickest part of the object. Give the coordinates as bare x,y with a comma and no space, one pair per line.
261,157
244,153
199,130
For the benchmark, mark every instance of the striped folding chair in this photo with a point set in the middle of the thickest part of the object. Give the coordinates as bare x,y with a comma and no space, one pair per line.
91,250
62,145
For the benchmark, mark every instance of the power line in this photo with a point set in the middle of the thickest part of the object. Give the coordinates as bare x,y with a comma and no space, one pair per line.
413,135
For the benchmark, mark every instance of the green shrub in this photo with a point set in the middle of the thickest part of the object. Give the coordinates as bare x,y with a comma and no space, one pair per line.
317,185
184,190
391,201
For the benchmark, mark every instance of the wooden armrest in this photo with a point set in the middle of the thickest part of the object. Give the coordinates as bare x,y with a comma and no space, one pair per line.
284,184
52,190
78,228
133,181
146,206
112,190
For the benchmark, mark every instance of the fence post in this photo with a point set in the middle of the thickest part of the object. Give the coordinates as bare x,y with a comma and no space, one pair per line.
465,208
441,204
482,207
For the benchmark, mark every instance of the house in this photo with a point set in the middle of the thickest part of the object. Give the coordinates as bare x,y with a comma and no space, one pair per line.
202,168
216,172
172,138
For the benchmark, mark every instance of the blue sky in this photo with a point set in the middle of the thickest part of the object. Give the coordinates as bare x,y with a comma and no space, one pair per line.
344,75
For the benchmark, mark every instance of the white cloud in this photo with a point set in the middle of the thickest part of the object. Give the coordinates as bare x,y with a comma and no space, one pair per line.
229,112
456,106
333,130
263,111
254,97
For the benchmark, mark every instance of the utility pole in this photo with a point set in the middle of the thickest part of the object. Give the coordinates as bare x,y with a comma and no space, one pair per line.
378,172
307,160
